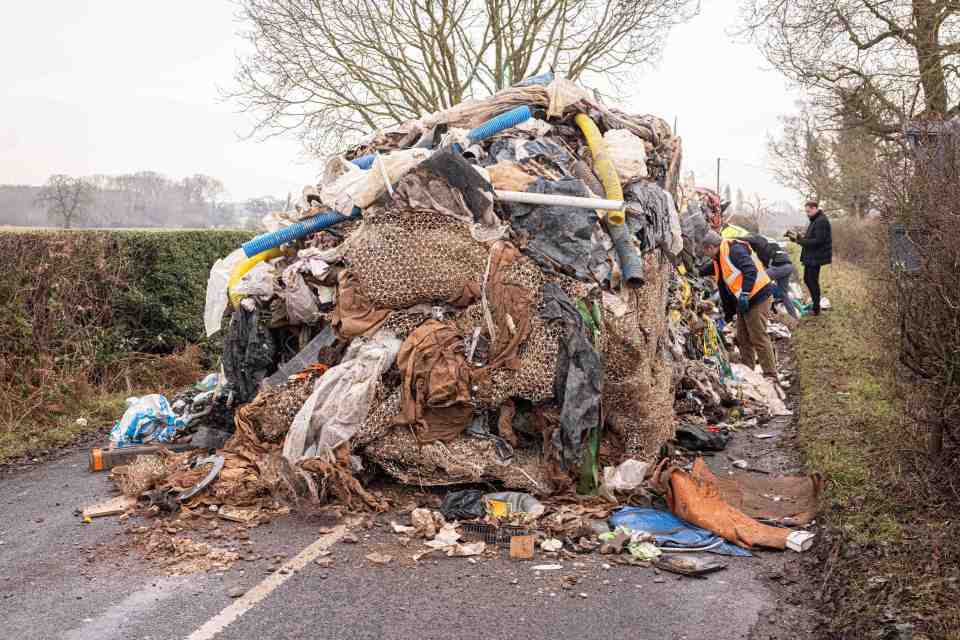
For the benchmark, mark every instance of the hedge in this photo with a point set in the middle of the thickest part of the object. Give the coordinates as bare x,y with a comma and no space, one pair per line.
80,301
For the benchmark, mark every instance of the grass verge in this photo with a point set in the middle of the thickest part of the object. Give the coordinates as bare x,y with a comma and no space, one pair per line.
19,438
63,409
892,544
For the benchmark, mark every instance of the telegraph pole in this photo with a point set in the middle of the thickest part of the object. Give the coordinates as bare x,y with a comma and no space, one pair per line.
718,177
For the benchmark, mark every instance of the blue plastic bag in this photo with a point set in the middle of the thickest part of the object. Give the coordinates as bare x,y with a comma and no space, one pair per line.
671,531
147,419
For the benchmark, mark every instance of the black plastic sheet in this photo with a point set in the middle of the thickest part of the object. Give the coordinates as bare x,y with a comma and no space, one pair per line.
579,380
562,238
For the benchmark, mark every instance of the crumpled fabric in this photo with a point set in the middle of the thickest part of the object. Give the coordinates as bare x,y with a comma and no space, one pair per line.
248,353
562,238
579,380
695,497
341,398
511,305
311,262
559,97
474,189
354,314
301,303
435,392
674,242
509,176
423,190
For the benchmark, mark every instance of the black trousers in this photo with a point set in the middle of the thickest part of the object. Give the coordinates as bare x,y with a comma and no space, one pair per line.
811,278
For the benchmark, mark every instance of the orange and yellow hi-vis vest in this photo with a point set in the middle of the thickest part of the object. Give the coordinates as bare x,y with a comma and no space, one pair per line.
732,276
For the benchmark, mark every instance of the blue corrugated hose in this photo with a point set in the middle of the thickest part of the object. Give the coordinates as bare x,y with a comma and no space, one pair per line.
503,121
294,231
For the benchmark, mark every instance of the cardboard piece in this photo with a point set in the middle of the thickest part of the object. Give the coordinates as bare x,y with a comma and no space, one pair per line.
521,547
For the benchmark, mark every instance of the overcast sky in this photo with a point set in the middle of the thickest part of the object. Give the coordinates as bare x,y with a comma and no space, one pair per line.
112,86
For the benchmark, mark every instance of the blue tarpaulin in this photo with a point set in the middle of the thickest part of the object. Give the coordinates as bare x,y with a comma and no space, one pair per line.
671,531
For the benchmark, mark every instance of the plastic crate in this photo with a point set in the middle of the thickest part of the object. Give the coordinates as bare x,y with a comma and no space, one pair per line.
493,534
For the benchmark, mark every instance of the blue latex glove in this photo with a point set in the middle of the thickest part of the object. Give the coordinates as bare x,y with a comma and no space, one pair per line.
743,304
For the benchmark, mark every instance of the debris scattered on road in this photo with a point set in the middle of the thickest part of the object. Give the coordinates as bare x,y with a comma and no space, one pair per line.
379,558
800,541
688,564
551,545
235,591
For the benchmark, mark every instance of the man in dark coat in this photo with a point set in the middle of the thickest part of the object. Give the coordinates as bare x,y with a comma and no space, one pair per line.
817,250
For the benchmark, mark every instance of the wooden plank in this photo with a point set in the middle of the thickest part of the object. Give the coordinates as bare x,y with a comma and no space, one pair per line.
113,507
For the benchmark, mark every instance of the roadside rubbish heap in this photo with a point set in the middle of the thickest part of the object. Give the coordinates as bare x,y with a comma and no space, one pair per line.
488,294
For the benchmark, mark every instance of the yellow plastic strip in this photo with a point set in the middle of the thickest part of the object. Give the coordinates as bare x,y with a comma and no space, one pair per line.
241,270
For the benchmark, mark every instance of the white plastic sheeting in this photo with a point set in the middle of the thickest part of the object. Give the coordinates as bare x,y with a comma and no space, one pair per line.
341,398
216,302
628,154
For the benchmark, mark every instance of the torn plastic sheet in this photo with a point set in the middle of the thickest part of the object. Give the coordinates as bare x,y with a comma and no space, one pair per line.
301,304
341,398
518,502
755,386
562,237
669,531
307,356
216,302
357,187
579,378
148,418
628,154
626,477
652,209
257,283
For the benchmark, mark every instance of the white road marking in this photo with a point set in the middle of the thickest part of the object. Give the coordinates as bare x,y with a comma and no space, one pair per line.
247,601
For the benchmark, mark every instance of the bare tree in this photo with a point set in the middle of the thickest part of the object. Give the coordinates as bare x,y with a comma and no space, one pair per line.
66,198
838,167
756,212
856,154
873,63
263,205
328,70
798,156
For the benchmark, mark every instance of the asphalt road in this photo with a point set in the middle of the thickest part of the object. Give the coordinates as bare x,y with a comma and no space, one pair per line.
60,578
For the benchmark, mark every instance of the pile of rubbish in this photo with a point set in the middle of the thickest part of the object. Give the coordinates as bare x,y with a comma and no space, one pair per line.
478,295
500,292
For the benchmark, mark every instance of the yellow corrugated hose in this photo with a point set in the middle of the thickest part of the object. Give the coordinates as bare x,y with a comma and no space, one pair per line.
241,270
602,164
